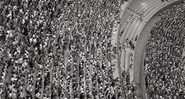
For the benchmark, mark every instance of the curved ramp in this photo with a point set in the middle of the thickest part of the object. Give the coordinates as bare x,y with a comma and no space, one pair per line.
133,21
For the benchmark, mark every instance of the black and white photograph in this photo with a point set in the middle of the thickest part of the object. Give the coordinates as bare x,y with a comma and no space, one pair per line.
92,49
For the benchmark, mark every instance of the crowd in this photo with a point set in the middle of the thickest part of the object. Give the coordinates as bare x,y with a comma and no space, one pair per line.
165,74
58,49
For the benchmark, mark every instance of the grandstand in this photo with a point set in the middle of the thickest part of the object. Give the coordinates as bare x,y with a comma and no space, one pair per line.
92,49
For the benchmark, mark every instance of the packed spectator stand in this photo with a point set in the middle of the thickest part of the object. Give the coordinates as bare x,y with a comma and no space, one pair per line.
164,68
59,49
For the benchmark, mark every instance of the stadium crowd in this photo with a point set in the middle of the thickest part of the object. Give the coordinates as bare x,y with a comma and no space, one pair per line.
59,49
165,74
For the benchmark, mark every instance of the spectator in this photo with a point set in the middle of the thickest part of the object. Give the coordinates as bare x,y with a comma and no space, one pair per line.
163,62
